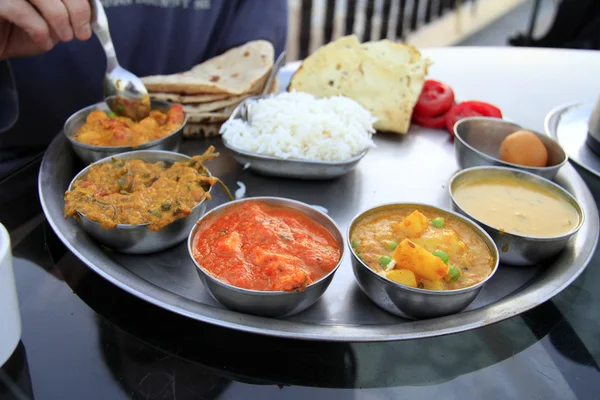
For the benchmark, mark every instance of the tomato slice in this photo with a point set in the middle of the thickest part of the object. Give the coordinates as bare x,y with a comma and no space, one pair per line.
436,122
436,98
468,109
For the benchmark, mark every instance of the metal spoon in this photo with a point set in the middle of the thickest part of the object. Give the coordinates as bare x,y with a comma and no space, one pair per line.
244,111
274,71
124,92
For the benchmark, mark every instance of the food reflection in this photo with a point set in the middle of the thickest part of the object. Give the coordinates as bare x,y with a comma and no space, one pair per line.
139,192
258,246
421,249
108,129
517,206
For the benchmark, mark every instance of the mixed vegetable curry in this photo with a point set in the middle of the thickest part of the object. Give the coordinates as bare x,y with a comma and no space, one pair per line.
108,129
419,249
138,192
257,246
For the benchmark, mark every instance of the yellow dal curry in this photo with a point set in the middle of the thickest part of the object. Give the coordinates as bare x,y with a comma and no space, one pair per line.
419,249
517,206
138,192
107,129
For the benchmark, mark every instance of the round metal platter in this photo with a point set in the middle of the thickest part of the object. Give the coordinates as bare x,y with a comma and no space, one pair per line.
409,168
568,125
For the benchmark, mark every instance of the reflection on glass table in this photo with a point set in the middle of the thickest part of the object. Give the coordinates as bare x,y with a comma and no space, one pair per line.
105,343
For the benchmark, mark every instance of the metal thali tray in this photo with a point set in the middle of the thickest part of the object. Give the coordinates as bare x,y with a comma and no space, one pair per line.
411,168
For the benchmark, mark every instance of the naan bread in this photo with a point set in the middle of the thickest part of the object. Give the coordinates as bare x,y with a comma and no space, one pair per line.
384,77
196,130
235,72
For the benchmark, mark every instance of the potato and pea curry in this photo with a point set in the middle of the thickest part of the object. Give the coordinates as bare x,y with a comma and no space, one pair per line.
138,192
108,129
419,249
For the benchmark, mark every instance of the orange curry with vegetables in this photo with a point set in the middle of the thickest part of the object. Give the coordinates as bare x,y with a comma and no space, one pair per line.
421,249
138,192
108,129
257,246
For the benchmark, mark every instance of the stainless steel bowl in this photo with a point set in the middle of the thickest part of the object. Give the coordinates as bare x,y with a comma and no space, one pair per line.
477,143
287,168
414,303
518,249
89,154
268,303
138,239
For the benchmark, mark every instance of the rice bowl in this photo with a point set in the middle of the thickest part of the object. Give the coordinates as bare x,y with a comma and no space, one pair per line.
298,126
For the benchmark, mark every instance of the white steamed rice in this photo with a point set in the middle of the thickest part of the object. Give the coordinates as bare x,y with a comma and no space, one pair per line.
300,126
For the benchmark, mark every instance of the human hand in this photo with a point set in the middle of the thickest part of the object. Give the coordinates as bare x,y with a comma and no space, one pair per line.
29,28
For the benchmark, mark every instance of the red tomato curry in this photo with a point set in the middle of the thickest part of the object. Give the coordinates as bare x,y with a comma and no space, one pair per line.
257,246
108,129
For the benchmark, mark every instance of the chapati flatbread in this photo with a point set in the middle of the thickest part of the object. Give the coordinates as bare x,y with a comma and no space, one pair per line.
187,99
196,130
234,72
215,105
384,77
211,116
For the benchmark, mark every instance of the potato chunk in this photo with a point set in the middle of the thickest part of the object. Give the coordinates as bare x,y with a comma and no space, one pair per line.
402,276
413,225
411,256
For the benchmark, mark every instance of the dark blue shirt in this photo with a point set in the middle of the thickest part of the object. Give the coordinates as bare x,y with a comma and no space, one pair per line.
150,37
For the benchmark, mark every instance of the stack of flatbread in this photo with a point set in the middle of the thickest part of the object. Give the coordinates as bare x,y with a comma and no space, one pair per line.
210,91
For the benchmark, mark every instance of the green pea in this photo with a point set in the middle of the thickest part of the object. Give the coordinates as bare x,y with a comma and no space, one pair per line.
155,213
391,245
454,273
355,244
443,255
385,260
112,115
438,222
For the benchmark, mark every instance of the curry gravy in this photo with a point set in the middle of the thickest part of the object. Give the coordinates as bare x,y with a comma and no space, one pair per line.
517,206
372,235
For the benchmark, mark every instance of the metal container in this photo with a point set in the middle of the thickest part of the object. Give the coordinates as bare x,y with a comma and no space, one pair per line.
10,318
409,302
138,239
89,154
477,143
569,125
287,168
268,303
516,249
593,138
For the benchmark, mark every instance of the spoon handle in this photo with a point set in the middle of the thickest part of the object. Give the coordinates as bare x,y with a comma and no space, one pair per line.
100,28
276,67
594,123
